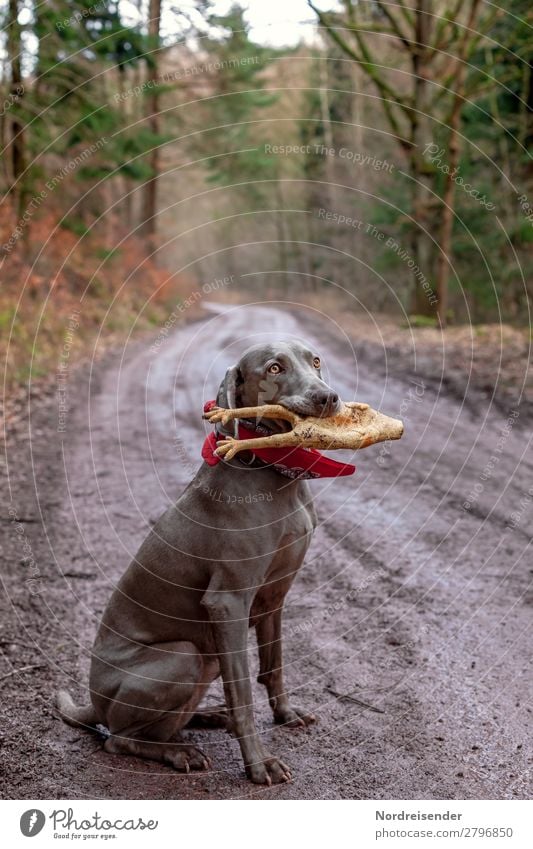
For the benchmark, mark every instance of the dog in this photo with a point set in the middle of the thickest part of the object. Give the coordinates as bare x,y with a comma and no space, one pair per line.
206,573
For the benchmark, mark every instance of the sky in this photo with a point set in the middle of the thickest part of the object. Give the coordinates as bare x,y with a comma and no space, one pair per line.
279,23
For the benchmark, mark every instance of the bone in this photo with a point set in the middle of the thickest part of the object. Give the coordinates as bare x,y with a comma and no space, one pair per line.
354,427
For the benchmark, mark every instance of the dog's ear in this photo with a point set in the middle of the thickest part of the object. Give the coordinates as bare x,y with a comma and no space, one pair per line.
229,389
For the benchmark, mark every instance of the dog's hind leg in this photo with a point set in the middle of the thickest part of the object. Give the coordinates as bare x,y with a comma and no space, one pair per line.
177,754
158,693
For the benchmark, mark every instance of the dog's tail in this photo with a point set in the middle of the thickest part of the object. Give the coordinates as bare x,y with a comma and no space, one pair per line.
78,716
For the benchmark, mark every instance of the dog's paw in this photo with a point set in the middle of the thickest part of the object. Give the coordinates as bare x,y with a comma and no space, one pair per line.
186,758
292,717
268,771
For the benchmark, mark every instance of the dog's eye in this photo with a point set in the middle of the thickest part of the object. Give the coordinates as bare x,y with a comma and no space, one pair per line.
275,368
316,362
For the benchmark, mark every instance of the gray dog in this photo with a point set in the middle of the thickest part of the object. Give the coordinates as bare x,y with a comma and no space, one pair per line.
180,614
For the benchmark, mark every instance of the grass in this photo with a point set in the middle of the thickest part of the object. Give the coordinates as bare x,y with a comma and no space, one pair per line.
421,321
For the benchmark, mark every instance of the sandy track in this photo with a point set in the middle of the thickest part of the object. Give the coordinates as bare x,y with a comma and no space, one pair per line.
417,607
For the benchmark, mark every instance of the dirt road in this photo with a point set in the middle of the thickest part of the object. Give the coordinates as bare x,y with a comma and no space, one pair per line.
415,598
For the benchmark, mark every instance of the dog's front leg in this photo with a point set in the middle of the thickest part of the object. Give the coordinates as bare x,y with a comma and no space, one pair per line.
229,616
268,632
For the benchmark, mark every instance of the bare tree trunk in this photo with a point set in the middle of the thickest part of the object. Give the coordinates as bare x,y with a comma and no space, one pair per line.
281,230
419,242
16,131
445,240
360,241
326,123
149,201
446,230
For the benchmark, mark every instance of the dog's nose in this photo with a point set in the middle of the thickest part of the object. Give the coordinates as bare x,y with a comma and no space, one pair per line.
327,400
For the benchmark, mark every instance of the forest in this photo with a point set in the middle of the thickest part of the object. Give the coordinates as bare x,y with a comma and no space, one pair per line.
384,158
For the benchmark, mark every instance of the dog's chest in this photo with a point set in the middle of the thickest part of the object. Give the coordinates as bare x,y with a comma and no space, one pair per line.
287,559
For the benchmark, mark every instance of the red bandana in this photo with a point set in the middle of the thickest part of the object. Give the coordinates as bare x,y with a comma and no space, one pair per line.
291,462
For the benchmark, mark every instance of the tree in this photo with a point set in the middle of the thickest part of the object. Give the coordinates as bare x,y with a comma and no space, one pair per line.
435,49
149,205
65,114
234,67
498,128
16,136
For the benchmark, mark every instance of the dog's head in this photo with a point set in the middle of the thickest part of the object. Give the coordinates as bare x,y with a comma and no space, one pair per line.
286,373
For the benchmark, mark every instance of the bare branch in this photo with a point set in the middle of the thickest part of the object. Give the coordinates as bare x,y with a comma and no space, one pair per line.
368,64
364,60
396,28
407,13
449,17
468,43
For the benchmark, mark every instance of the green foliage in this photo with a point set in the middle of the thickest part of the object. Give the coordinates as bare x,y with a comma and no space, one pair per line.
105,254
238,97
522,232
6,318
421,321
510,58
75,225
83,53
500,124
